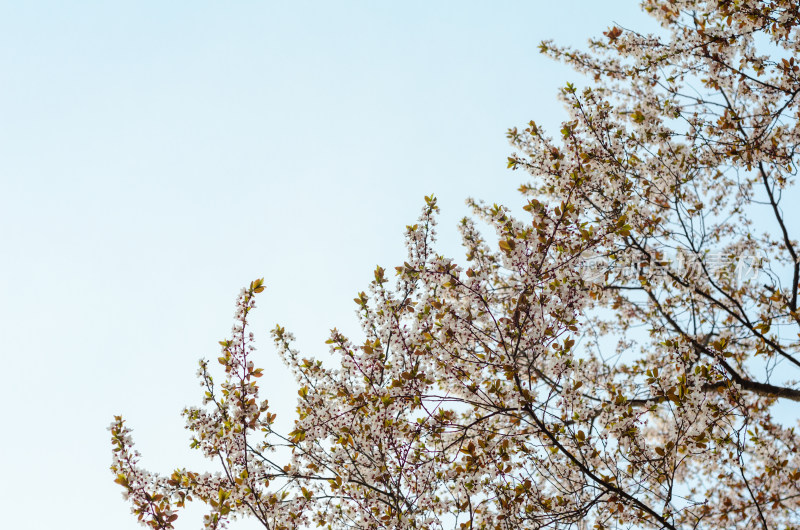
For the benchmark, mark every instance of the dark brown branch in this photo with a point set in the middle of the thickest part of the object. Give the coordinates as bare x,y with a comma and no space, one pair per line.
608,486
786,240
762,389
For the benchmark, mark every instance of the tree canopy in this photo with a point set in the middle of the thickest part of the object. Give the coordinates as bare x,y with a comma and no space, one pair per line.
608,358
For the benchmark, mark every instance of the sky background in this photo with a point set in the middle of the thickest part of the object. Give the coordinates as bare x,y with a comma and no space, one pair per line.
157,156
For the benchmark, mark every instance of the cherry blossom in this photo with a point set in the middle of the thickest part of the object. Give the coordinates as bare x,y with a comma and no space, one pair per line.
516,388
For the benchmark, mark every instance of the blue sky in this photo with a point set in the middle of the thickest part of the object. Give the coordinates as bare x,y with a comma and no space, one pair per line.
157,156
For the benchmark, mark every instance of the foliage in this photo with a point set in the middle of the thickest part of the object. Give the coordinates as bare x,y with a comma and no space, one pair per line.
611,362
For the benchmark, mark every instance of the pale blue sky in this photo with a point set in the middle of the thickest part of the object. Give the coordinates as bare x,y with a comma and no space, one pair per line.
157,156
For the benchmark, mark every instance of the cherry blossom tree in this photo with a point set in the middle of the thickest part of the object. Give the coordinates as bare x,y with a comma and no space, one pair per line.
611,359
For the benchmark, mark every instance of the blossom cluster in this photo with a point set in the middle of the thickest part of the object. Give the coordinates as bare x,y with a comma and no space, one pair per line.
513,389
